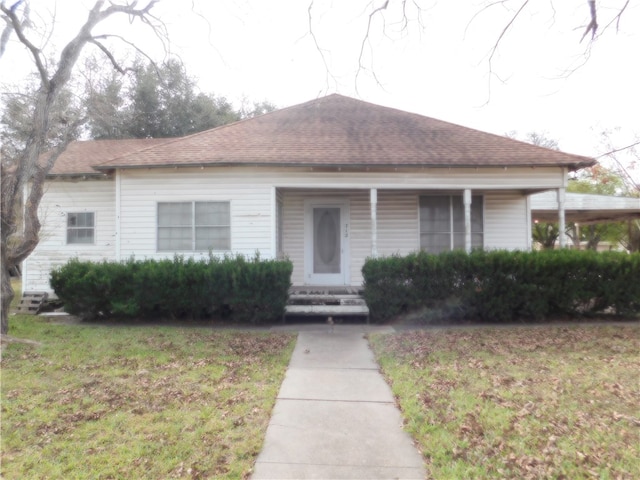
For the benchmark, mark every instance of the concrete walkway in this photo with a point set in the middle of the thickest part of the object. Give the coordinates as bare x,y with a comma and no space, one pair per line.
335,416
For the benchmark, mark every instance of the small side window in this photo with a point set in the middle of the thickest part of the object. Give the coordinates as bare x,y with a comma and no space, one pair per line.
81,228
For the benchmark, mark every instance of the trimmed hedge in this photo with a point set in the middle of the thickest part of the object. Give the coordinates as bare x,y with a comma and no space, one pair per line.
251,290
505,285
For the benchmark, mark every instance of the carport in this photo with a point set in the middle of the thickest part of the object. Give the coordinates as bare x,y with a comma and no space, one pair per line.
584,208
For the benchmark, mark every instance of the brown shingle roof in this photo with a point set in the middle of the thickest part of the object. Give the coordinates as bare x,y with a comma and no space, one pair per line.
80,157
341,131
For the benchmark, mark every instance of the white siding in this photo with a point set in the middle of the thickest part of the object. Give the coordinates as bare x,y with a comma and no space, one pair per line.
359,229
60,198
250,192
293,237
406,179
506,221
398,223
251,210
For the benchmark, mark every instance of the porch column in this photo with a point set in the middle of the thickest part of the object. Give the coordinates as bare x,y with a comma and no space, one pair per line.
374,222
561,217
118,218
467,219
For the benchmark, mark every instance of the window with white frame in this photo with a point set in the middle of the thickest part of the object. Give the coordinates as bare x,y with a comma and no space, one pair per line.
194,226
442,223
81,228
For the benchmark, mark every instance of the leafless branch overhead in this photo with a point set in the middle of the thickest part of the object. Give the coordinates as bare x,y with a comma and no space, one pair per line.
592,26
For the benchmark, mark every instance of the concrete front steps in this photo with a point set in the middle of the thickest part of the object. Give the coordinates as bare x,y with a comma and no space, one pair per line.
335,302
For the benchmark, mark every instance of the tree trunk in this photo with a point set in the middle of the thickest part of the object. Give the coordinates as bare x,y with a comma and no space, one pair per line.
634,236
593,238
28,169
7,296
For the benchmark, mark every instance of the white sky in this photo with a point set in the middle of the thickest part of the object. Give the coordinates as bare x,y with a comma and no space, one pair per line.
264,51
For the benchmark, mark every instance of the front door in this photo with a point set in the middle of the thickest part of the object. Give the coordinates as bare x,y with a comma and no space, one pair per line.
326,242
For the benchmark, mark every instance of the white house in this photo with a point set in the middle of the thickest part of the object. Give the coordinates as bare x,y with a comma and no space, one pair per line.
326,183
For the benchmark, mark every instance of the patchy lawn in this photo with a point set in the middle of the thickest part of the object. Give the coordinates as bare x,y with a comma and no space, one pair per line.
523,402
99,402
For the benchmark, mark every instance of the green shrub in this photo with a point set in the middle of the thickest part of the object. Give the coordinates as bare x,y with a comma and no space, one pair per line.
251,289
260,289
388,289
505,285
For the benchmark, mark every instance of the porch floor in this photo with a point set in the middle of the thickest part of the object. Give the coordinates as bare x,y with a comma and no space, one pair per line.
322,301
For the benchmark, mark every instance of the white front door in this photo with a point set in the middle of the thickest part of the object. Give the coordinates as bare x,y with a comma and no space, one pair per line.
326,242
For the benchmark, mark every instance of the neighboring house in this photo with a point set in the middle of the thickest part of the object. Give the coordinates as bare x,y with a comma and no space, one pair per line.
326,184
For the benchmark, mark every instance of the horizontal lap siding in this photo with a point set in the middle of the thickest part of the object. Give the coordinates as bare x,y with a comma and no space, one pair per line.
293,236
426,178
397,226
414,179
59,199
397,223
505,222
359,229
360,234
250,191
141,191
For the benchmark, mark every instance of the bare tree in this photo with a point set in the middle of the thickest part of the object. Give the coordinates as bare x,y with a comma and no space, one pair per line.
28,169
591,21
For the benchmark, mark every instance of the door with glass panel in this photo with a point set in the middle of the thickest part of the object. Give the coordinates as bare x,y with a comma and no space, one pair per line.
326,242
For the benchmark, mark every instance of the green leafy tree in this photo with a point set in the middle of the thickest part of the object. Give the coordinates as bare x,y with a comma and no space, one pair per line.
545,234
600,180
249,109
105,104
154,101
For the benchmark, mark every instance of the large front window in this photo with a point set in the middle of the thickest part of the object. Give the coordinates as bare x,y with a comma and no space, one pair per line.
194,226
442,222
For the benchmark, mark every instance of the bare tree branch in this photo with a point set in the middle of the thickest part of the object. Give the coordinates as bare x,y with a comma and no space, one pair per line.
616,150
30,169
496,45
592,26
315,41
109,55
628,178
365,39
18,26
617,18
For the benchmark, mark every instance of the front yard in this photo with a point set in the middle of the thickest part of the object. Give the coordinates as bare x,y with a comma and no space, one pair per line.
100,402
119,402
520,402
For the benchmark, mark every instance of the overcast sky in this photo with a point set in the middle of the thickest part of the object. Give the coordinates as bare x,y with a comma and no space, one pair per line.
541,79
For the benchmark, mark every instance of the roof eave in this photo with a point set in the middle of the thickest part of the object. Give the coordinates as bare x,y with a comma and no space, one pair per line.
354,166
79,175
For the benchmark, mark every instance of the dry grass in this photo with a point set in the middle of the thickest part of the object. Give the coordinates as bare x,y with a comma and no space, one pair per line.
539,402
96,402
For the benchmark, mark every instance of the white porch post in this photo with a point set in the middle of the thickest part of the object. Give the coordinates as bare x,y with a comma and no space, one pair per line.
374,222
467,220
274,222
118,238
561,217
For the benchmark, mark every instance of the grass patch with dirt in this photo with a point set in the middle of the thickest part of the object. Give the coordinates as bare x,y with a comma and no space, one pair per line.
105,402
522,402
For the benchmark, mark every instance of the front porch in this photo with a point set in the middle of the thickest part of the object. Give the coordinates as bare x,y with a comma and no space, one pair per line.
328,233
335,303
